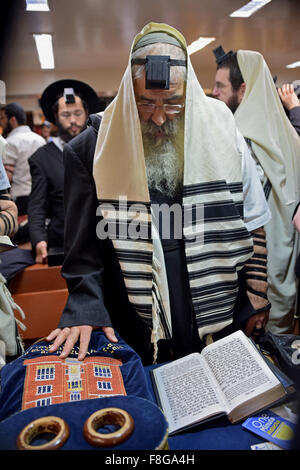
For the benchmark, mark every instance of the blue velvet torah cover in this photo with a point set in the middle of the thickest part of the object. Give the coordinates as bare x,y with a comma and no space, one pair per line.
40,383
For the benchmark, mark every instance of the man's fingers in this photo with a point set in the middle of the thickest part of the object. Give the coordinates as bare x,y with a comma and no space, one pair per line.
72,338
110,334
53,334
85,336
60,336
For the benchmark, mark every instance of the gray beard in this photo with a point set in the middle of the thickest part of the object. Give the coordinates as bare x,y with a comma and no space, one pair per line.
164,157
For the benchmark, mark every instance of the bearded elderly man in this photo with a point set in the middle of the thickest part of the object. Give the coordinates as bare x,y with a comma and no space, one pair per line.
166,280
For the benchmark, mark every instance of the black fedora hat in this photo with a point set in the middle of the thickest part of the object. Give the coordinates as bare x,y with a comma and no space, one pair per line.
56,89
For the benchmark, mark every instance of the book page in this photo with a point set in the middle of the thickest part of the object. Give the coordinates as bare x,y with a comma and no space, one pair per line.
238,368
187,393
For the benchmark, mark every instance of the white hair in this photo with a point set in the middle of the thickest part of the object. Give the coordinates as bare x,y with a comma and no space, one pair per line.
176,72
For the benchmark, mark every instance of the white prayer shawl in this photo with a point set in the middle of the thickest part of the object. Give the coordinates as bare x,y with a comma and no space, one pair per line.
212,184
261,118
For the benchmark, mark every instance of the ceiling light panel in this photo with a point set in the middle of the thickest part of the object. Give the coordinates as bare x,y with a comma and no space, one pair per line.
250,8
44,47
37,5
293,65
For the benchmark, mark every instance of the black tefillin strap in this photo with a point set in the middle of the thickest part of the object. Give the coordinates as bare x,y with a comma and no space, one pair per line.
9,222
5,196
256,270
176,62
7,217
158,70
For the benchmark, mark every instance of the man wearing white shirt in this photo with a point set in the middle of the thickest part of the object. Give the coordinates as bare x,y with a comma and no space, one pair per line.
8,209
21,144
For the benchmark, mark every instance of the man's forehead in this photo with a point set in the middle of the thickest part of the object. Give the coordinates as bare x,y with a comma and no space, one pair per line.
177,87
222,74
63,105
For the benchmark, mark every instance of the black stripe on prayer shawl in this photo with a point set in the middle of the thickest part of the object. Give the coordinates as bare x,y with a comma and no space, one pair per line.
145,309
226,236
219,316
137,275
240,208
221,210
225,211
124,204
130,256
210,307
218,254
213,302
267,189
216,270
139,291
212,187
215,288
235,187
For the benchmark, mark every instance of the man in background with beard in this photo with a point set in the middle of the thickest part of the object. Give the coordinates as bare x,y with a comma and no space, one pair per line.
245,84
171,285
66,104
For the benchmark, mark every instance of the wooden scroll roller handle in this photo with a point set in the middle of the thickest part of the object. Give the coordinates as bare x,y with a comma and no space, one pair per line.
48,424
115,416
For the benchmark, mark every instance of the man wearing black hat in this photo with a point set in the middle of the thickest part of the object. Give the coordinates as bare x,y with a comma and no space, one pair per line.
65,103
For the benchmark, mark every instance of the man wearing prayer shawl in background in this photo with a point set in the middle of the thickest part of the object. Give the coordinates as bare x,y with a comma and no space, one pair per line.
166,295
243,81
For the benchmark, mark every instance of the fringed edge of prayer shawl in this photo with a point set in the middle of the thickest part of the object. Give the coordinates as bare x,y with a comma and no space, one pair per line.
142,270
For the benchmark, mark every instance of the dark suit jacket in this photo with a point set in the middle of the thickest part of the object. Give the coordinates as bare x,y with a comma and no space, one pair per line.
294,116
46,200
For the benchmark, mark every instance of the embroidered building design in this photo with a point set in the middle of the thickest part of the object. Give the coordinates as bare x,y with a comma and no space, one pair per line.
50,380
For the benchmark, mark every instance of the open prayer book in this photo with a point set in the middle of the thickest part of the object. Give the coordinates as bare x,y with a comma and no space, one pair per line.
229,377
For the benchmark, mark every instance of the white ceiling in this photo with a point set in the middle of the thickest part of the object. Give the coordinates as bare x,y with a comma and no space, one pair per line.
92,38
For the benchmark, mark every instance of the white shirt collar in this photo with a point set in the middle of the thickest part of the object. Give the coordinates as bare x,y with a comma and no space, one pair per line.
59,142
19,130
